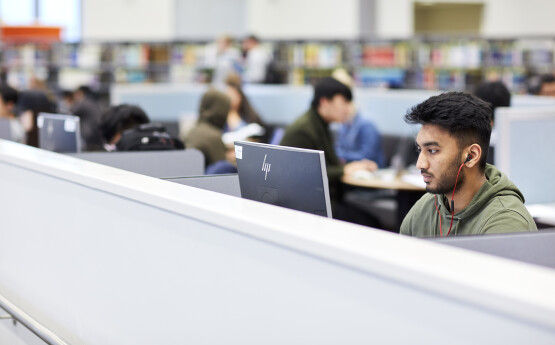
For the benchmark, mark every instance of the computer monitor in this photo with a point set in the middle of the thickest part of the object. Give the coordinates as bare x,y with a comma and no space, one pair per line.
283,176
59,133
5,129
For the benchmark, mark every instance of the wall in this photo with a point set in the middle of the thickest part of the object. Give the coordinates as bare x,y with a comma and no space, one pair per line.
519,18
510,18
208,19
293,19
128,20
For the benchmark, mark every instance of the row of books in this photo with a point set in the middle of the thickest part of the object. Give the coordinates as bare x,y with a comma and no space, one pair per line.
404,54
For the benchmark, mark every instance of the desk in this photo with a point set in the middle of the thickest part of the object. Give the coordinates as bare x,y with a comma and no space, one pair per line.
406,193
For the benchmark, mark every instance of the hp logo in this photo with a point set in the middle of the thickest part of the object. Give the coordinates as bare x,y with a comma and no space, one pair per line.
266,167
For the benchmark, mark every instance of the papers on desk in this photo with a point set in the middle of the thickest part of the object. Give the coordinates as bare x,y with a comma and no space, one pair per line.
386,175
414,179
250,130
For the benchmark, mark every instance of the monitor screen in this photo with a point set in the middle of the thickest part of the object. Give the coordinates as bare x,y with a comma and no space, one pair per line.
59,133
284,176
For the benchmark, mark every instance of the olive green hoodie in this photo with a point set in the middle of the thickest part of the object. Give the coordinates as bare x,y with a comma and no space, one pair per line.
497,207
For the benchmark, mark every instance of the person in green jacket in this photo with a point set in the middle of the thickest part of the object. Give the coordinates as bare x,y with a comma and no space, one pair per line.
465,195
331,103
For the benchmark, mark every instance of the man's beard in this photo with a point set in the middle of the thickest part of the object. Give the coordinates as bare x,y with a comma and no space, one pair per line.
446,182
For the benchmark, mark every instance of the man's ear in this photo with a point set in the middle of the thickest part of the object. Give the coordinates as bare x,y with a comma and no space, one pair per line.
475,153
10,106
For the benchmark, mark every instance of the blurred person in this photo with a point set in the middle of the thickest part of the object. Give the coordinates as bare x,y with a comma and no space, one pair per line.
331,103
496,94
547,85
118,119
541,85
227,60
357,137
241,113
206,135
30,104
256,62
85,107
8,102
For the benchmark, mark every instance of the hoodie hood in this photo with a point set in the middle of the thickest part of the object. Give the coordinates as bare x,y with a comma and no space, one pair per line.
497,185
497,207
214,107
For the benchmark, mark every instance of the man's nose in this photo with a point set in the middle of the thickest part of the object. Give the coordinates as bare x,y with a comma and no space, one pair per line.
422,162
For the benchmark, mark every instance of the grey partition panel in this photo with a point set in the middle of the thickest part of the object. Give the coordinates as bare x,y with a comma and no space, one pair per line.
524,150
225,184
176,163
531,247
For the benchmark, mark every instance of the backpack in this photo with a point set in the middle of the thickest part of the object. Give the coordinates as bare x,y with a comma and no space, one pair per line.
148,137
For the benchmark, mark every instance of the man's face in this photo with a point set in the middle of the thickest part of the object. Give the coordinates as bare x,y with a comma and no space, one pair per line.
548,89
336,109
439,159
4,109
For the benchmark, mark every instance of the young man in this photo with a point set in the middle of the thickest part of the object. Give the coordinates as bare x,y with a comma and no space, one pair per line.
465,195
8,100
256,60
331,103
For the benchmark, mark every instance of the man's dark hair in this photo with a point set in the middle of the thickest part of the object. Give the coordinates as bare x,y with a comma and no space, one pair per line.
253,38
464,116
495,93
86,90
9,94
329,87
535,82
119,118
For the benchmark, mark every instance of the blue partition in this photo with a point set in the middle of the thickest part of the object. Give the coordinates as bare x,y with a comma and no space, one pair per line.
282,104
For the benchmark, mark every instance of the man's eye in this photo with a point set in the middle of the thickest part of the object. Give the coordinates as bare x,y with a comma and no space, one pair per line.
432,151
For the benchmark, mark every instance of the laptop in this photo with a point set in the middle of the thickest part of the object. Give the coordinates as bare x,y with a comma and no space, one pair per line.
59,133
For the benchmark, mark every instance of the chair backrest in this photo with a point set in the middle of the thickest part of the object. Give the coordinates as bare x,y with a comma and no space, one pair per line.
178,163
399,150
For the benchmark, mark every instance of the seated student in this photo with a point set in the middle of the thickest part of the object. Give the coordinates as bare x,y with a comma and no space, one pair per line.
496,94
8,101
30,104
116,120
86,108
206,136
357,137
465,195
128,128
331,103
241,113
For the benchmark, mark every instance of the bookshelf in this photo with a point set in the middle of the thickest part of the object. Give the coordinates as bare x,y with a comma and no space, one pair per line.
421,63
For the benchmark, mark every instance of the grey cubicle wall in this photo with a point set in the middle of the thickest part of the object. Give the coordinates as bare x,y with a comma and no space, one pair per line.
524,150
282,104
226,183
173,163
103,256
536,248
277,104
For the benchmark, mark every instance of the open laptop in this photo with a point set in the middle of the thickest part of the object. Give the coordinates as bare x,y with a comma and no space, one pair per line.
284,176
59,133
